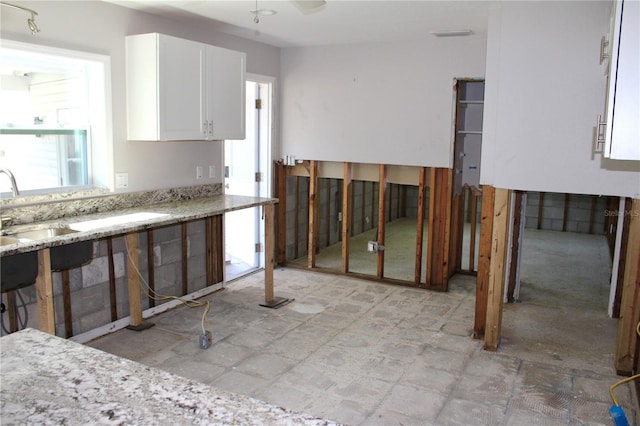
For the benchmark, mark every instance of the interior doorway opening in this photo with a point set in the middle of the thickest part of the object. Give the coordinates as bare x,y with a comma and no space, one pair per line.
247,172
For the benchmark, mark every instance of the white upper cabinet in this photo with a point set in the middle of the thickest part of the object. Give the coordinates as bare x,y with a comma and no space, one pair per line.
622,134
183,90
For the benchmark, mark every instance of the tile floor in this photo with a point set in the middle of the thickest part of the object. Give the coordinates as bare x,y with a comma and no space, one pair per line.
365,353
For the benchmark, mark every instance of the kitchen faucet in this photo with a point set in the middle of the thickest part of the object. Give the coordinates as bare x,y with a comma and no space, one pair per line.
14,186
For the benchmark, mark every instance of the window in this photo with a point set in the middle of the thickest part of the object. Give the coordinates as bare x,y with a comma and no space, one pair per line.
54,126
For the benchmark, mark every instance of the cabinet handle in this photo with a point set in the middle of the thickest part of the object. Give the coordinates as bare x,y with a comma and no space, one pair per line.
604,45
204,128
211,127
601,127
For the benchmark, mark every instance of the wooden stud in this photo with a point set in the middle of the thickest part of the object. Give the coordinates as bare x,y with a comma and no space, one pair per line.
515,246
497,265
432,222
44,293
439,232
484,261
185,258
592,213
624,243
296,229
382,188
112,281
630,305
151,267
281,222
313,214
473,228
208,235
565,213
11,311
327,212
218,248
66,301
269,244
133,279
347,214
422,188
447,203
363,215
540,208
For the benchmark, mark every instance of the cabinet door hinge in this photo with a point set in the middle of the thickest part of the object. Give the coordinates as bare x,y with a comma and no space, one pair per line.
259,248
258,103
258,176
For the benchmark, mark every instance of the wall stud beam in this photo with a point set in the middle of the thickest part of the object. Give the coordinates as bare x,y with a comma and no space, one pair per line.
185,258
484,261
281,176
313,214
112,281
422,190
630,305
44,293
495,294
382,190
133,280
347,203
151,267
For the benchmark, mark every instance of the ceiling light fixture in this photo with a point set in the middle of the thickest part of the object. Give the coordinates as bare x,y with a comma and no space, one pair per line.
451,33
261,12
31,23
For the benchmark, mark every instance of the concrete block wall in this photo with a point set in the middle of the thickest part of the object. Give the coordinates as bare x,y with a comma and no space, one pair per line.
578,214
89,284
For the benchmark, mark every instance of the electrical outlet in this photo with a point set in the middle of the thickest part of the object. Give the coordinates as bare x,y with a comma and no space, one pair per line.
199,172
122,180
212,172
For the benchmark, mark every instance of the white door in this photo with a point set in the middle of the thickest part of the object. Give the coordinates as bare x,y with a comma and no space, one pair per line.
247,173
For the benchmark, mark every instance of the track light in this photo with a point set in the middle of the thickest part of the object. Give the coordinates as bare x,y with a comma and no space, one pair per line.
31,22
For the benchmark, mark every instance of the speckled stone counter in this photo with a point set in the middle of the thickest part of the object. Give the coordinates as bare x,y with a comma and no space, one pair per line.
171,213
49,380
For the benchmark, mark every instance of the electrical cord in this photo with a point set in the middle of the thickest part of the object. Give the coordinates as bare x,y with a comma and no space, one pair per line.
22,323
625,380
152,294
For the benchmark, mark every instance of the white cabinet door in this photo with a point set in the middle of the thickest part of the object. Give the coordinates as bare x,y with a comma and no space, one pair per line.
181,89
225,80
622,141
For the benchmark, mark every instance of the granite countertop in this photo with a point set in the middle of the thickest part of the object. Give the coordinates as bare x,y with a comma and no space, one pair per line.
50,380
131,219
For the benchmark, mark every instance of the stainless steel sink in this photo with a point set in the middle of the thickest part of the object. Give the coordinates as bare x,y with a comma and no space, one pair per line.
41,233
5,241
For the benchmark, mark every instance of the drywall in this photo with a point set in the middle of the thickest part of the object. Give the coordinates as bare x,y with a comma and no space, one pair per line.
544,88
99,27
388,103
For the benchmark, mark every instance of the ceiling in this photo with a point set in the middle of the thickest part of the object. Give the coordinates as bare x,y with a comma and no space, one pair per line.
337,22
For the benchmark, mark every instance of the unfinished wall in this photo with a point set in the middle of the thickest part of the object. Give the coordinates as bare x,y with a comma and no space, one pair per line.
89,284
571,213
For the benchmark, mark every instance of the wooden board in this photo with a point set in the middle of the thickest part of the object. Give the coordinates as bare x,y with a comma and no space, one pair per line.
630,304
113,300
281,222
269,247
133,280
422,189
44,293
313,214
151,279
382,199
495,291
484,259
347,189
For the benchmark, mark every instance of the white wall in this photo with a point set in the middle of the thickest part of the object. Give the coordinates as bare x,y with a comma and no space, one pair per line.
99,27
544,89
375,103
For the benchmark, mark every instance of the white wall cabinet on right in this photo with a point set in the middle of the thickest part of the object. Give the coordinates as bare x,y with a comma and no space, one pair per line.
622,134
183,90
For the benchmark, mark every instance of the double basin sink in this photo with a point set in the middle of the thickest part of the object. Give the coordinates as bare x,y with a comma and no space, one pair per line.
20,270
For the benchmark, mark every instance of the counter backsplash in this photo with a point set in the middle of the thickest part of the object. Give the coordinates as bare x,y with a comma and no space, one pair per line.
48,207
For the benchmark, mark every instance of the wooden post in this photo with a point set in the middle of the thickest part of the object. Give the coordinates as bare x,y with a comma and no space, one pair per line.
473,229
630,304
218,248
484,259
44,293
66,301
422,184
112,281
313,214
133,279
622,261
11,311
347,189
208,240
495,292
281,222
431,227
269,238
515,246
439,232
185,258
151,266
382,189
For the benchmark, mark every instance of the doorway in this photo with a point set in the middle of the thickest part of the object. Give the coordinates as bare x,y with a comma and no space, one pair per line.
247,173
